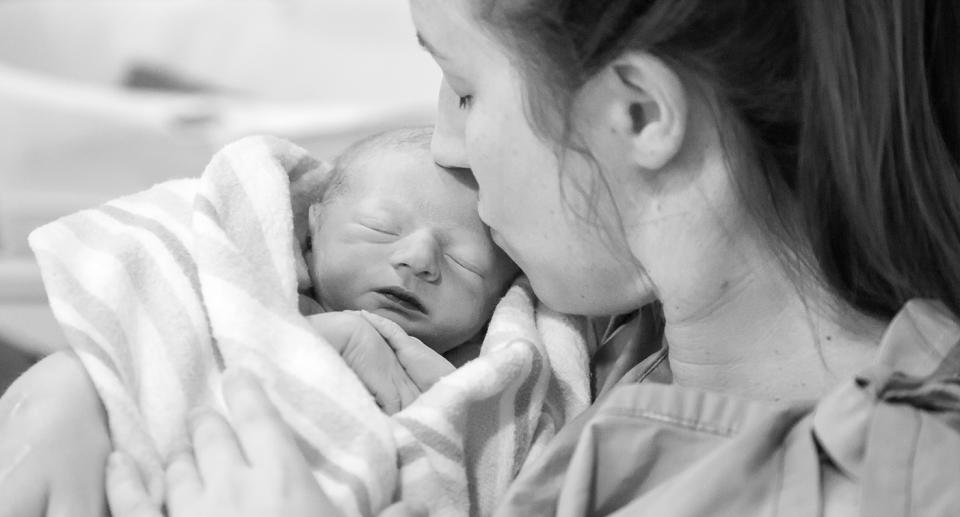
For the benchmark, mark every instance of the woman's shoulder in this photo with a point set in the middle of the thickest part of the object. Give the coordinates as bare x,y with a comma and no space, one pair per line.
883,434
54,436
58,381
920,338
890,429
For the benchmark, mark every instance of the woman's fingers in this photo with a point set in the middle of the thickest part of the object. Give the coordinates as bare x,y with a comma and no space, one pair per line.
402,509
182,480
264,436
215,445
126,495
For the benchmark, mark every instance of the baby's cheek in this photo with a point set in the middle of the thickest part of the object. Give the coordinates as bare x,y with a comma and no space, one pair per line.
479,307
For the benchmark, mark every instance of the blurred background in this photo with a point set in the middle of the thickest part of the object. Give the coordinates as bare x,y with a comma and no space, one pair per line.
100,98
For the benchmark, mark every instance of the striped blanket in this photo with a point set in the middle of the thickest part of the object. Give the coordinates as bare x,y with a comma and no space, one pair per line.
162,291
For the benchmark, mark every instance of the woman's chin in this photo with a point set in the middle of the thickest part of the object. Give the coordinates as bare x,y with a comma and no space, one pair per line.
559,296
556,297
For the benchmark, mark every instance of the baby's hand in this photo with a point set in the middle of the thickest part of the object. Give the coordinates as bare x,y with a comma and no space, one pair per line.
424,366
393,366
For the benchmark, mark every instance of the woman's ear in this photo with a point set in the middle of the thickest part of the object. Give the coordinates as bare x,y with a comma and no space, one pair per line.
646,107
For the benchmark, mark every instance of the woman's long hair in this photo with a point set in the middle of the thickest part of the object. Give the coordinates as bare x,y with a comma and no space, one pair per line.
849,109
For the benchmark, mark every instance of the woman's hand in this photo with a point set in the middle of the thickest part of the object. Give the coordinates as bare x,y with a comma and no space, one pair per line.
253,468
394,367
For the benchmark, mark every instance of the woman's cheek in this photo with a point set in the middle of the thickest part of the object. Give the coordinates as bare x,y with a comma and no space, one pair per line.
482,149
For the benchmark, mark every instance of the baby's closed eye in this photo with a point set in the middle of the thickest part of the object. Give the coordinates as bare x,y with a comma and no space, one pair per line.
377,230
466,264
381,226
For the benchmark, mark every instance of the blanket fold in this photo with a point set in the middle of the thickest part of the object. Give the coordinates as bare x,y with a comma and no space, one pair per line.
161,291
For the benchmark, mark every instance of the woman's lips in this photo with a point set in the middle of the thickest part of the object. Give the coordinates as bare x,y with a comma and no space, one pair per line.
403,298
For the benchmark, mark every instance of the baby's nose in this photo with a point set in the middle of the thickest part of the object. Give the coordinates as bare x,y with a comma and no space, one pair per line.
418,254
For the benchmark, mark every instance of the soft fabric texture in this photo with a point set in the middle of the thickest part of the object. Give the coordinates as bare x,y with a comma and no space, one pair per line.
161,291
883,444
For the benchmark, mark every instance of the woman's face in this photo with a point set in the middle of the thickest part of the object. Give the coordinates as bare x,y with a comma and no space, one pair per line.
533,205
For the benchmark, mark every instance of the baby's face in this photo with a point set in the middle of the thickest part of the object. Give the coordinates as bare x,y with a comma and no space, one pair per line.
404,241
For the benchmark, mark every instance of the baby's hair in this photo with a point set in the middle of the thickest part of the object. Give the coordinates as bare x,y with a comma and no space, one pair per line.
409,138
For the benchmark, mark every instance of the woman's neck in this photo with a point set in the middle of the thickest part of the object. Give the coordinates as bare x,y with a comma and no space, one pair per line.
756,336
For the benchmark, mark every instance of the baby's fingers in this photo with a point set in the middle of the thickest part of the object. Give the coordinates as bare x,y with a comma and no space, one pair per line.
423,365
392,332
126,494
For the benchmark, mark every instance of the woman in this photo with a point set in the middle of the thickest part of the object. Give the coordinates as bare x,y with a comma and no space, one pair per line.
781,176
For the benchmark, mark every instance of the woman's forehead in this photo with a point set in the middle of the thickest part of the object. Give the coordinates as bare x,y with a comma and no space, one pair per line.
437,18
455,35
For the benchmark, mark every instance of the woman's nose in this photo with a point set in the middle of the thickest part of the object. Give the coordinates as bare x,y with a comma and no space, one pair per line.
448,145
417,254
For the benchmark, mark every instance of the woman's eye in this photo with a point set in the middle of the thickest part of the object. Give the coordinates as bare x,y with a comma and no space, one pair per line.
465,101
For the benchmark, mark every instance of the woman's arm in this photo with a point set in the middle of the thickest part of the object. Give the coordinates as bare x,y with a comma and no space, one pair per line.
54,442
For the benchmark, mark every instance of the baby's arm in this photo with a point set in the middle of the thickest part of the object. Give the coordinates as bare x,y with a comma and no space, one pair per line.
53,442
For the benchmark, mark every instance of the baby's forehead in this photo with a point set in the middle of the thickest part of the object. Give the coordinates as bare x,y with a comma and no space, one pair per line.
413,172
393,159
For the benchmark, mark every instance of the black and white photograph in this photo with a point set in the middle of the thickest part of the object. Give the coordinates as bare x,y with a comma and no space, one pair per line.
506,258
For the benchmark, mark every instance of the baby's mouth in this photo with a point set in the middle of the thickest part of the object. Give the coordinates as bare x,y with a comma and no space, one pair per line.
403,298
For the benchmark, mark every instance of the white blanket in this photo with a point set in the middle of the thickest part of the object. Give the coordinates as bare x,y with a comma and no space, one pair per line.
160,291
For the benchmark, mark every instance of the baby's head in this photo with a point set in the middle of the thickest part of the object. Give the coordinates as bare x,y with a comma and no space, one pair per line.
399,236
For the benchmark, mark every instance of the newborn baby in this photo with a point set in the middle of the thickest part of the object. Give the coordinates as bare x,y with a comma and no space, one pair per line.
398,236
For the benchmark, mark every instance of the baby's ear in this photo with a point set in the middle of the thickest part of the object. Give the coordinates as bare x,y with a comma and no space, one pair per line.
308,225
304,191
314,215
